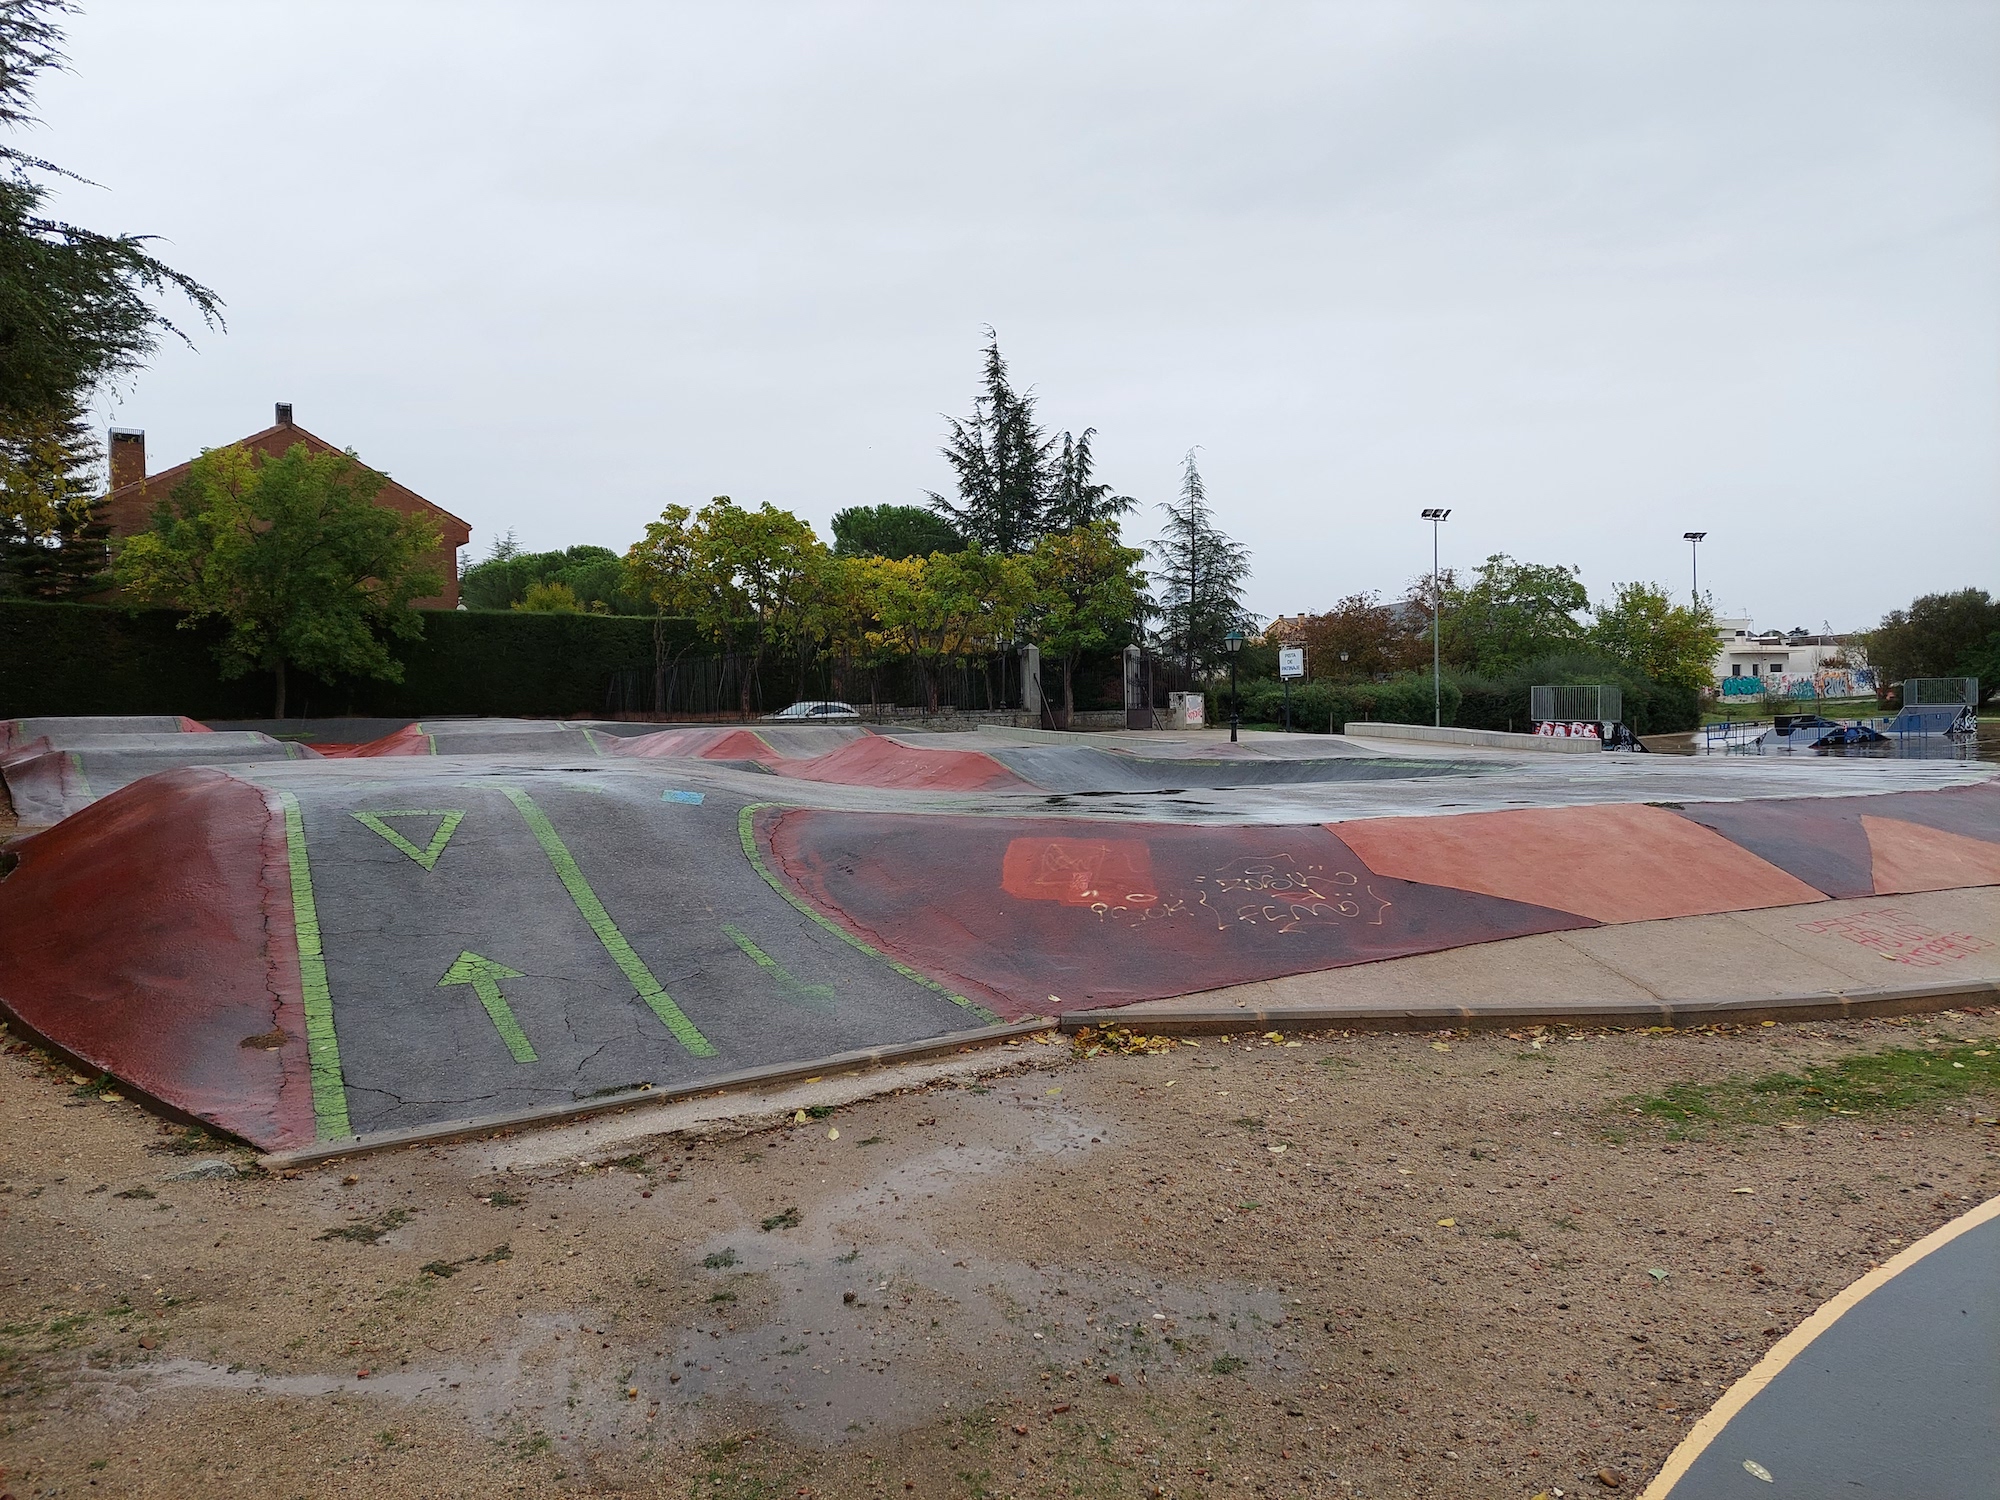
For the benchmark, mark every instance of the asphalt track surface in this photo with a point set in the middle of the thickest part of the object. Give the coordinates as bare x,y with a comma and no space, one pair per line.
466,919
1896,1397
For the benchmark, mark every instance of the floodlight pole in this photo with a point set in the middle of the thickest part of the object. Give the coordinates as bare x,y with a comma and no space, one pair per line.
1436,518
1694,541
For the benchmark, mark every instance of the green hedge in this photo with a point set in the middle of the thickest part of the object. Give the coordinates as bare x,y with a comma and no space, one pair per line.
1323,707
92,659
1649,707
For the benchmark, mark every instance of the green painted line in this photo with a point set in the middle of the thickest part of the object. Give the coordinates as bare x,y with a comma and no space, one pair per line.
484,975
76,765
329,1090
450,818
590,738
592,910
817,997
747,833
429,738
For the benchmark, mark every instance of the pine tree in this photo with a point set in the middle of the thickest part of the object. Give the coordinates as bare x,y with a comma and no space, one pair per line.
1202,574
1015,486
76,307
1002,463
52,545
1075,497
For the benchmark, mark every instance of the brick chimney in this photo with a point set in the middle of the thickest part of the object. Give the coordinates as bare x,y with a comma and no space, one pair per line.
128,456
284,413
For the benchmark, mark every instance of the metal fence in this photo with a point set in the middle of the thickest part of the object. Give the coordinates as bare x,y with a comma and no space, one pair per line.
1941,692
737,686
1591,703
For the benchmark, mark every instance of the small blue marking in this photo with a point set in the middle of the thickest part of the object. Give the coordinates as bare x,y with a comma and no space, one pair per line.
691,798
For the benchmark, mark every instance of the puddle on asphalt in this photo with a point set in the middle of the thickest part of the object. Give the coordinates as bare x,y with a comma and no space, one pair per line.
928,1331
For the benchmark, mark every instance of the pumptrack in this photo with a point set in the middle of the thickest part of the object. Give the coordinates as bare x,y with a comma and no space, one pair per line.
465,919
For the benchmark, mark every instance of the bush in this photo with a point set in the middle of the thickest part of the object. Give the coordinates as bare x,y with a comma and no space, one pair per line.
1323,707
1502,703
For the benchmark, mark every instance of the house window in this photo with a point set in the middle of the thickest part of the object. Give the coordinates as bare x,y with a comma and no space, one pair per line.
1777,668
1736,669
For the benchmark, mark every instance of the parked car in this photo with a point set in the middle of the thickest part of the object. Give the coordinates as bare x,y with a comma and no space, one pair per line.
816,713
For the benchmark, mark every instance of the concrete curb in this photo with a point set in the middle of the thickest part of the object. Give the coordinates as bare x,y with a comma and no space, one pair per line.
1823,1005
860,1060
1490,739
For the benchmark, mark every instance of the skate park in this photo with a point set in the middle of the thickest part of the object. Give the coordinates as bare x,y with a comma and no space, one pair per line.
313,948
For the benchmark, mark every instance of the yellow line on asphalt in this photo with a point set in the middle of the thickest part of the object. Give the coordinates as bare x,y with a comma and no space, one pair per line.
1794,1344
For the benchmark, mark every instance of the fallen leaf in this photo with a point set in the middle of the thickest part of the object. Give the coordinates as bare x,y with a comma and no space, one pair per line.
1169,1083
799,1118
1447,1223
1440,1046
1611,1479
1275,1150
1658,1275
1756,1470
833,1134
1113,1380
1751,1191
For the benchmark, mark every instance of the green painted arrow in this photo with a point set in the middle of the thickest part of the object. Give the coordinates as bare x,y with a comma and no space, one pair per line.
484,976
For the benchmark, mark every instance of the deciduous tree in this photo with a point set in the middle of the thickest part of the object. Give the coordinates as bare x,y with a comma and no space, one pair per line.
293,555
1362,637
893,531
1511,612
1645,630
1939,635
1088,596
746,576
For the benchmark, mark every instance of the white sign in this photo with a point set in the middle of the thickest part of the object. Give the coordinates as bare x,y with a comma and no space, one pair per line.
1292,661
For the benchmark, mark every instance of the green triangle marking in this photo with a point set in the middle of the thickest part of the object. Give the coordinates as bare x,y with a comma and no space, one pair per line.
448,821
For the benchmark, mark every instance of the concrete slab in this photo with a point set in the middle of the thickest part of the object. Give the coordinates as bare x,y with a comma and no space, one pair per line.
1750,955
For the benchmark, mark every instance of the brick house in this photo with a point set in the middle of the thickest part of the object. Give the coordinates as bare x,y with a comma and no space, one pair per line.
128,508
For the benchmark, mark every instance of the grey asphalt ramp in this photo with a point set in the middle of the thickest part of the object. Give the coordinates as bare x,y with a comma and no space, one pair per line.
617,937
1899,1399
50,777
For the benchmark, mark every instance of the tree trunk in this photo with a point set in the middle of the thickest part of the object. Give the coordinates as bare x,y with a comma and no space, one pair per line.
279,711
1069,692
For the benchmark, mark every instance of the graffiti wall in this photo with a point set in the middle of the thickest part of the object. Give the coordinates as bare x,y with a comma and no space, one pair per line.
1832,682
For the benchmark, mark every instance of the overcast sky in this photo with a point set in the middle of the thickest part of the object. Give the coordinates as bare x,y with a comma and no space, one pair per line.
1591,275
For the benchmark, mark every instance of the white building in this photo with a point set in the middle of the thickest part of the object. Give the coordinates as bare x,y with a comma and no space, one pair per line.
1743,651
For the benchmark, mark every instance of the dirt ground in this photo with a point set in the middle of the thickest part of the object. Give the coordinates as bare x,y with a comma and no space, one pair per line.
1371,1265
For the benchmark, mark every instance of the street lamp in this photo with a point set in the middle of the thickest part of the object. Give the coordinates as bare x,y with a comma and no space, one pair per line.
1694,540
1437,518
1234,641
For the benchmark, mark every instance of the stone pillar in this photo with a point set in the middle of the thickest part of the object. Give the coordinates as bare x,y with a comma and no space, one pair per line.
1138,703
1031,683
